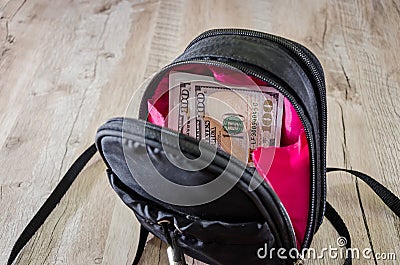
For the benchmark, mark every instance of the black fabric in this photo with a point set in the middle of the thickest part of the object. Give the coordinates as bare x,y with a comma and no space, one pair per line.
55,197
337,222
214,240
391,200
144,233
51,202
262,54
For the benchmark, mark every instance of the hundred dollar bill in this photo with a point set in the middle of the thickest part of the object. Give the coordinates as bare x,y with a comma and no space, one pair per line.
235,119
181,100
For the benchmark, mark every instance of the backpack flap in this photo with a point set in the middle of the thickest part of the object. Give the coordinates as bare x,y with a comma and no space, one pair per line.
238,222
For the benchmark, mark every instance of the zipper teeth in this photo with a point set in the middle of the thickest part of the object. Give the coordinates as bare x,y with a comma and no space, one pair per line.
295,105
305,125
305,56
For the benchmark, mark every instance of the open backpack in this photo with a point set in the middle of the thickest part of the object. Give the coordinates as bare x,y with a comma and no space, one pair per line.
203,201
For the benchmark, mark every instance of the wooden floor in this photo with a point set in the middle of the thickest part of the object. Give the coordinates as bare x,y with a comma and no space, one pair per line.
68,66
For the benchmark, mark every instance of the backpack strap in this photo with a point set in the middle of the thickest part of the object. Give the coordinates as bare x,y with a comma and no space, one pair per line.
52,201
144,233
391,200
337,222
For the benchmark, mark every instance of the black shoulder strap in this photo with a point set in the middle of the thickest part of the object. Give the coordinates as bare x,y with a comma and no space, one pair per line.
54,198
337,223
144,233
391,200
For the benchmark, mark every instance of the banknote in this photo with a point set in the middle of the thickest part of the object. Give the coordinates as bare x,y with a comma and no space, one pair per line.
236,119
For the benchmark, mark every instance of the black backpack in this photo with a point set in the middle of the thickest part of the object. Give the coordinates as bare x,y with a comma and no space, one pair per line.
204,202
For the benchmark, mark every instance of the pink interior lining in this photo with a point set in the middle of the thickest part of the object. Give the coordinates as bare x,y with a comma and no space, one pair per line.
285,168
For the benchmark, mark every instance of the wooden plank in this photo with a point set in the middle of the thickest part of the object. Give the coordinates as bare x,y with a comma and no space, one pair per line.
66,67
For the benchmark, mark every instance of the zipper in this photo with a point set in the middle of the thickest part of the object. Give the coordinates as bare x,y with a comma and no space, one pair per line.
306,130
315,69
174,252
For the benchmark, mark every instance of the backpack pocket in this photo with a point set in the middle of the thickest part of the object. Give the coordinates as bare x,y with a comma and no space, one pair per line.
239,215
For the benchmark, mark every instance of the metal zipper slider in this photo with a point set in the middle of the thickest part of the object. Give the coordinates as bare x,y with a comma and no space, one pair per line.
174,252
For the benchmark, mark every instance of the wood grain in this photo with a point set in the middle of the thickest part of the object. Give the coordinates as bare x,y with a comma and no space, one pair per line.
68,66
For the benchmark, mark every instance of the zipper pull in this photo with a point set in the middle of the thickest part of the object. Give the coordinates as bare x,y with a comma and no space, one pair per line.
174,257
174,252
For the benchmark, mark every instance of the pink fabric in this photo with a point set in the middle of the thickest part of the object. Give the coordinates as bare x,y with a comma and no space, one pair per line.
158,104
292,126
291,184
